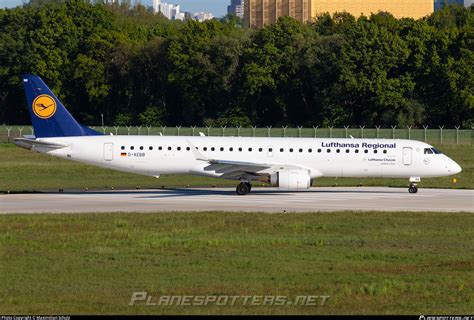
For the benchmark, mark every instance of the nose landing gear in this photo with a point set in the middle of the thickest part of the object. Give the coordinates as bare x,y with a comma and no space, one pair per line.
413,182
413,188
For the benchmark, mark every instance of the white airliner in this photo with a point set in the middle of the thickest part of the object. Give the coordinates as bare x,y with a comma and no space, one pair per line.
288,163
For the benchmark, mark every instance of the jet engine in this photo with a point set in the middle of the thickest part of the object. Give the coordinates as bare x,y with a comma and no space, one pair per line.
291,179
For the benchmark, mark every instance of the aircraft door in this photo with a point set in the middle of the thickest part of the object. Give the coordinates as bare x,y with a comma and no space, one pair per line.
407,156
108,151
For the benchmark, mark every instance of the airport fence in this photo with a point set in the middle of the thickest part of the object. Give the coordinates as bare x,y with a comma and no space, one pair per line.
438,136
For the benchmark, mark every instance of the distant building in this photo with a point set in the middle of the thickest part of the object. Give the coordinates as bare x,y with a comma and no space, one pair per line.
203,16
236,7
415,9
170,11
156,5
188,16
262,12
440,3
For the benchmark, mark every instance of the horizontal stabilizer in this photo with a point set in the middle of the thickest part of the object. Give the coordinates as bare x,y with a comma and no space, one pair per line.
31,144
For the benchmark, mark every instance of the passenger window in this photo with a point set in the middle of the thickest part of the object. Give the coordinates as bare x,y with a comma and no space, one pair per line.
338,150
356,150
270,149
160,148
205,148
222,149
132,148
123,148
328,150
375,151
319,150
301,150
141,147
250,149
310,150
188,148
179,148
281,149
240,149
385,151
347,150
169,148
231,149
150,148
291,150
428,151
260,149
212,148
366,151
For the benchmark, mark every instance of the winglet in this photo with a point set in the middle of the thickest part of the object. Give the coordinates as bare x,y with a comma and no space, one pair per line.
197,154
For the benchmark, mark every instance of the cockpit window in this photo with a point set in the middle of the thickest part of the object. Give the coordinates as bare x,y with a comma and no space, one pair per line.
432,151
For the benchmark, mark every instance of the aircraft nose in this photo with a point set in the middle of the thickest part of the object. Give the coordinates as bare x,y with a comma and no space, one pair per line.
455,168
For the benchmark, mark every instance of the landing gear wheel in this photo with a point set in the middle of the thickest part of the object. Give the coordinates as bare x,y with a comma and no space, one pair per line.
412,189
249,185
243,188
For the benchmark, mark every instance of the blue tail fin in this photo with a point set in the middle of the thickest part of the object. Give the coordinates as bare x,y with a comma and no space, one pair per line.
48,115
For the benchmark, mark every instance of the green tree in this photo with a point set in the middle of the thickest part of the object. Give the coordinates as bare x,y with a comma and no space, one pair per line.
120,60
274,63
203,69
123,120
151,117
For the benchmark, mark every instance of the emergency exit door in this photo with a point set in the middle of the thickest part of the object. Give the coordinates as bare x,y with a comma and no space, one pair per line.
407,156
108,151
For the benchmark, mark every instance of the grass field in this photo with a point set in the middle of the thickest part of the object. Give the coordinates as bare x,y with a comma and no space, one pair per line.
23,170
409,263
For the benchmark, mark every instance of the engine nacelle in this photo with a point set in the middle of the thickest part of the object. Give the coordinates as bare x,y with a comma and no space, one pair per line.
291,179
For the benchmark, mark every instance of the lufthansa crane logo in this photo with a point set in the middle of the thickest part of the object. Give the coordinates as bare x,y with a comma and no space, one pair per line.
44,106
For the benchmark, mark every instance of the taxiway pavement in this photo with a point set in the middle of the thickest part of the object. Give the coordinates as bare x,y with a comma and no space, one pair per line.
225,199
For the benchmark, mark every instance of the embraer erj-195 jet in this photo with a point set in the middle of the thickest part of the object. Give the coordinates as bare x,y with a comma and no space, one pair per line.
288,163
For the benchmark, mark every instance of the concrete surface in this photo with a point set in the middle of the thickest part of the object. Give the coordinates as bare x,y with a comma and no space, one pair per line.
225,199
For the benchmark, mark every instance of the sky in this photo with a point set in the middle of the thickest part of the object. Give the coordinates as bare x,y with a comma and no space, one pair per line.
217,7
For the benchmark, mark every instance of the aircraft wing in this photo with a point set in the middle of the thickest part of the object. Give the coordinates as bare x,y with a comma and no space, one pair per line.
31,144
236,169
230,169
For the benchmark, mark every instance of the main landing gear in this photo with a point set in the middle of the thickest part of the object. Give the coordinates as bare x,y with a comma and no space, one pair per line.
243,188
413,181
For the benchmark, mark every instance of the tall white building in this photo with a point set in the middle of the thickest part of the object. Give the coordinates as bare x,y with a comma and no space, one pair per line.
203,16
156,5
170,11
